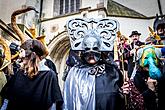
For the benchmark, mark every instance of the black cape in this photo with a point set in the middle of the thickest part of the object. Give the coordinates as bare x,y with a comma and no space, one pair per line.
87,89
108,96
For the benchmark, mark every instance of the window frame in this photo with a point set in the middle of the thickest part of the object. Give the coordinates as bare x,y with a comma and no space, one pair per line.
62,7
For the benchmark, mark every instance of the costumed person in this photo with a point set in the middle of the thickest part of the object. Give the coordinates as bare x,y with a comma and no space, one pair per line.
34,86
93,84
159,28
129,52
148,77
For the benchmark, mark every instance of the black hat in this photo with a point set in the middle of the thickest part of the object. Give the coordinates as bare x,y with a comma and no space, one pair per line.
135,33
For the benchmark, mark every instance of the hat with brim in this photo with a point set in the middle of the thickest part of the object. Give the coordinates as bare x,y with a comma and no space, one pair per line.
135,33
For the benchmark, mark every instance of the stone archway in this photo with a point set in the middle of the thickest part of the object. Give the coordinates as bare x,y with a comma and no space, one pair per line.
59,48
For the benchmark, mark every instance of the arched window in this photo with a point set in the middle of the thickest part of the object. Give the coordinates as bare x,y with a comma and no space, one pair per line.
66,6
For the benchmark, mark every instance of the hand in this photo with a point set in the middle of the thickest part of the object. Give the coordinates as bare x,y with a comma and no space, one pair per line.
126,88
151,84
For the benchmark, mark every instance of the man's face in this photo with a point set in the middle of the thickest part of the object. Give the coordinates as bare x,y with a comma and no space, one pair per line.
135,38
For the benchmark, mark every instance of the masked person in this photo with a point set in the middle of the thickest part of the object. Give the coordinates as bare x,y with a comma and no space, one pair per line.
130,51
34,86
159,28
94,83
148,77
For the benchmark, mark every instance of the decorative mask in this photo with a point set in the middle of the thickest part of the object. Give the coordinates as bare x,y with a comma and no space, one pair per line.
92,36
91,44
149,57
105,28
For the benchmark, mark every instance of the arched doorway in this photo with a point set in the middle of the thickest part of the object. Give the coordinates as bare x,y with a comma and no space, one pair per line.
59,48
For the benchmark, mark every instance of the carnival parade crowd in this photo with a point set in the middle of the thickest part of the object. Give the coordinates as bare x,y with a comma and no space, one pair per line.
128,75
